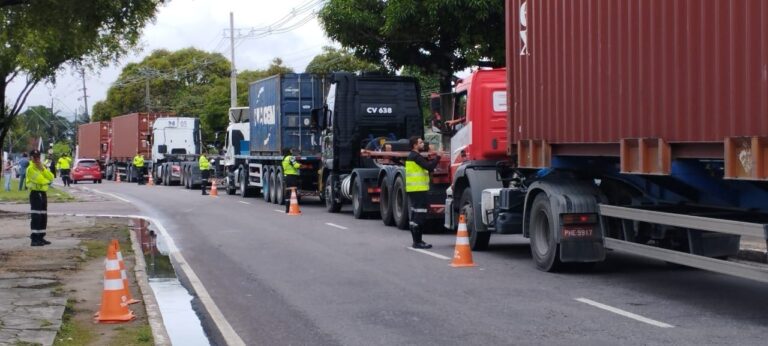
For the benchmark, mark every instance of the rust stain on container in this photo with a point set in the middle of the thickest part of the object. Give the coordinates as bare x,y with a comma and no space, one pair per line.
689,73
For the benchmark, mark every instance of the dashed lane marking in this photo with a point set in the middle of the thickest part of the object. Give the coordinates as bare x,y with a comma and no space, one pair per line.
430,253
243,202
335,225
627,314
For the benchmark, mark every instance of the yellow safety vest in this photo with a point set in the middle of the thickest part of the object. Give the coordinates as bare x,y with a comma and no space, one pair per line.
416,177
38,180
64,163
138,161
203,163
290,168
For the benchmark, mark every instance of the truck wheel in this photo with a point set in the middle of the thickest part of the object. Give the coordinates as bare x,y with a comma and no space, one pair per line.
265,183
243,184
230,186
478,241
280,191
542,233
331,204
273,183
385,205
357,200
400,204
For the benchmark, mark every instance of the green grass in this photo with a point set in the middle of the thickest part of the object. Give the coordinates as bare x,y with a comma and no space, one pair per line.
72,332
130,335
96,248
54,195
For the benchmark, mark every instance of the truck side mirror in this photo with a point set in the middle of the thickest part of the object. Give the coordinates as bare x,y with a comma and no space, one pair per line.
318,118
162,149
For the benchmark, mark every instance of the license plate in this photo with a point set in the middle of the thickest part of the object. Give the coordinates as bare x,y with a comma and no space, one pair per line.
88,176
578,232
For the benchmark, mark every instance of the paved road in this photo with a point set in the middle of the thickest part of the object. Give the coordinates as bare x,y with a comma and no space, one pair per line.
325,279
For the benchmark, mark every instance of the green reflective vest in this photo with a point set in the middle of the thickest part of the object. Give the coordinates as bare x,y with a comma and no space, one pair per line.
416,178
64,163
290,166
38,180
138,161
203,163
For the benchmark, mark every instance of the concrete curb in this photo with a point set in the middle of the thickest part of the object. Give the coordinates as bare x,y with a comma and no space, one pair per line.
153,309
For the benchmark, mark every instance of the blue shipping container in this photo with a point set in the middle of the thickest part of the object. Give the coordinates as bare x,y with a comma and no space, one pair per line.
281,111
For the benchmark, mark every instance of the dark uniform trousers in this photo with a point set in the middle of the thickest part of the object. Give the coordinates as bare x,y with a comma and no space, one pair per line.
38,201
204,176
290,181
417,212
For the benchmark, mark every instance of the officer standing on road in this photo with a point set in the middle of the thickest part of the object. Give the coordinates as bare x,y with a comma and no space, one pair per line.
138,162
38,179
63,166
290,174
205,172
417,170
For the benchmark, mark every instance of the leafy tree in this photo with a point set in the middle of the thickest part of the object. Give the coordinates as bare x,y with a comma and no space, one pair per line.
277,67
334,60
40,37
438,37
62,147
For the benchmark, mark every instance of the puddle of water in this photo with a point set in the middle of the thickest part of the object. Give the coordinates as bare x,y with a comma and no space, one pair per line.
181,321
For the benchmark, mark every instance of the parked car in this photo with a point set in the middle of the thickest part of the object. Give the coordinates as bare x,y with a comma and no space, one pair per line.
86,170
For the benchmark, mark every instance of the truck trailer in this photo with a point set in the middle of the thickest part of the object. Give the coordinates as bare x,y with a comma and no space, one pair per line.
642,130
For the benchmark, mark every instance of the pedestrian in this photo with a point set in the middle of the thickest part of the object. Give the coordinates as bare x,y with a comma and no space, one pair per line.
63,165
417,170
138,163
39,178
290,176
205,172
7,173
52,164
22,166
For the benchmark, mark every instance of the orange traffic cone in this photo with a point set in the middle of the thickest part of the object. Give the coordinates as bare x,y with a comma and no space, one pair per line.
150,182
114,303
117,173
123,274
214,189
294,207
462,255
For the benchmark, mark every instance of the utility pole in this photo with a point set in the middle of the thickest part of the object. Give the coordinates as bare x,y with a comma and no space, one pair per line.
146,88
85,96
233,78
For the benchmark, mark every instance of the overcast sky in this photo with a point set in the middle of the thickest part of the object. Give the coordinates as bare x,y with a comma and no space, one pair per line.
200,24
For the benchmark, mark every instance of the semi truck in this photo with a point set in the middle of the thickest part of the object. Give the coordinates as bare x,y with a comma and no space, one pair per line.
176,147
93,142
603,139
339,136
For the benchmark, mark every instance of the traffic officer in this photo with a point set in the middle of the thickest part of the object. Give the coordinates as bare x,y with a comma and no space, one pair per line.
38,179
417,170
63,165
290,175
138,163
205,172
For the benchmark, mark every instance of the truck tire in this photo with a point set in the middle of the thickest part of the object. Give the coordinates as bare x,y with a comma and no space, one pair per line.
400,204
331,204
273,183
265,183
544,248
357,200
243,184
230,185
478,241
385,205
280,191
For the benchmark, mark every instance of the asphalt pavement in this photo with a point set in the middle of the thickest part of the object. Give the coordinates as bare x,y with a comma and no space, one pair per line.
328,279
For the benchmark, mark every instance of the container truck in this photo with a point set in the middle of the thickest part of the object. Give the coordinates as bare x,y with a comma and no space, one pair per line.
176,146
93,142
642,130
278,117
131,134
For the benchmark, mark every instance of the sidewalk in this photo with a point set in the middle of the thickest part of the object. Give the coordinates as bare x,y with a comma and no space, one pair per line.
49,294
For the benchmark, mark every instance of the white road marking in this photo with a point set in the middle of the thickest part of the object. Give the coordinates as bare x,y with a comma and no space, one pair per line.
625,313
108,194
430,253
335,225
243,202
228,333
279,211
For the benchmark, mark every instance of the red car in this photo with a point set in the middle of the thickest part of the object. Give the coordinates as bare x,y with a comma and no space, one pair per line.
86,169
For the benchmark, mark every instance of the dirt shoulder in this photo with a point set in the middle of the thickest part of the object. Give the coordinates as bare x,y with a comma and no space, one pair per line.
48,295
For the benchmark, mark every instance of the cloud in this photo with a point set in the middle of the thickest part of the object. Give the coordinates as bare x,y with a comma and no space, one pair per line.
199,24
